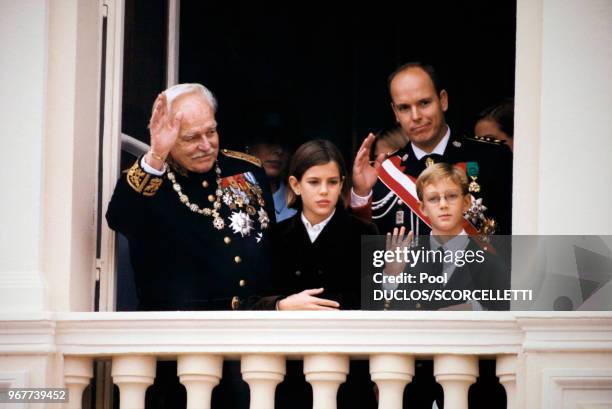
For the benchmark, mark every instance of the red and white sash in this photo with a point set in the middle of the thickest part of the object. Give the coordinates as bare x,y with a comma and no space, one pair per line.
391,173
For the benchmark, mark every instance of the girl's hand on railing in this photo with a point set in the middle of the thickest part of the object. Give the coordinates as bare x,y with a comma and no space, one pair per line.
306,300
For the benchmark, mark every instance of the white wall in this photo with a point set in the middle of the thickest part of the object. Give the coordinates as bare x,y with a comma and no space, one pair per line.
576,97
49,64
71,151
564,127
566,380
23,64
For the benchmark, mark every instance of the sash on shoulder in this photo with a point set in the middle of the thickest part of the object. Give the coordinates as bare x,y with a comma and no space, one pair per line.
391,173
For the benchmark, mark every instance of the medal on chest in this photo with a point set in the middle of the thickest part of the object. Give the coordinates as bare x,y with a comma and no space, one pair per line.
472,171
240,193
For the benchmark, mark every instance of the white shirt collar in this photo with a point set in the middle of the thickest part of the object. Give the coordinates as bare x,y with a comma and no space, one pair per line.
439,149
459,242
314,230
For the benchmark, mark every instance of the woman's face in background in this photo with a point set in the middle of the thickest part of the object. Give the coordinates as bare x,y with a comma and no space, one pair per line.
489,128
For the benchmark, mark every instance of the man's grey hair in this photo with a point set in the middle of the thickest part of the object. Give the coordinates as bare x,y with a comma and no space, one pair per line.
176,91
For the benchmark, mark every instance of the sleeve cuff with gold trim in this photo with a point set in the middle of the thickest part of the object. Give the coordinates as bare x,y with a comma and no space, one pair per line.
141,181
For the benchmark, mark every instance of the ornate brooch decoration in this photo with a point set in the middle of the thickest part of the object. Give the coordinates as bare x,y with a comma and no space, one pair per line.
241,223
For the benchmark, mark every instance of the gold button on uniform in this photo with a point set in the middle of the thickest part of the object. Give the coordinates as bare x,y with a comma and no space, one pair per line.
227,240
237,259
242,283
204,184
211,198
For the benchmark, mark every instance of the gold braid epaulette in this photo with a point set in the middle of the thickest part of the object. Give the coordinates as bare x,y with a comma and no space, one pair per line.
243,156
141,181
485,139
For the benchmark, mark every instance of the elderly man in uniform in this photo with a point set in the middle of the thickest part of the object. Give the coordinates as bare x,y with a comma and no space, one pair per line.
196,217
386,187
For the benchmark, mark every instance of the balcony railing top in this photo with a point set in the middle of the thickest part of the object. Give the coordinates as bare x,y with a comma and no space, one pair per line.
358,333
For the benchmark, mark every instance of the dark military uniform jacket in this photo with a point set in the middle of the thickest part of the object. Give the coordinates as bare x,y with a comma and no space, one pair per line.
490,274
180,259
488,165
332,261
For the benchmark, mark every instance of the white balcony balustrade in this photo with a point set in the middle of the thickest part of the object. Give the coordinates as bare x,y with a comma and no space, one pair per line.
391,373
326,341
505,369
133,374
78,372
325,372
455,373
262,373
200,373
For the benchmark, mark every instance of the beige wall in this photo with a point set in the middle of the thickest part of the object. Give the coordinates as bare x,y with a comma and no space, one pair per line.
23,63
41,371
563,125
540,369
71,154
50,71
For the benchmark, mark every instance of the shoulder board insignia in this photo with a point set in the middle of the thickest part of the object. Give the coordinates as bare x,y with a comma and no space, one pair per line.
242,156
485,139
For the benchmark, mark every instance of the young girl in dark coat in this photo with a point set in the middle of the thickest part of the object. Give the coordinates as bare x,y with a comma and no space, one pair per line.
316,252
317,262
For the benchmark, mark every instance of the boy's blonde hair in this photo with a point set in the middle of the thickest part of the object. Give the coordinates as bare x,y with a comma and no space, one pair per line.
441,171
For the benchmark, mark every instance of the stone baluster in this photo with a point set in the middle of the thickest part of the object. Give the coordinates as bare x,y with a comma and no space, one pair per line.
78,372
200,374
263,373
456,373
325,373
505,369
133,374
391,373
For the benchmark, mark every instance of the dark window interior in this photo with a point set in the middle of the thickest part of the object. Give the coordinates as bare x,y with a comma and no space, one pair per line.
306,73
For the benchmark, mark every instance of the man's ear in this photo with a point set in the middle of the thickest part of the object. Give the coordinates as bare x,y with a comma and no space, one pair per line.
444,100
395,112
294,184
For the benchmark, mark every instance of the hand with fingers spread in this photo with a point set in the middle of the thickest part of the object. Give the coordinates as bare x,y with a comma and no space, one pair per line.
306,300
365,173
164,130
397,239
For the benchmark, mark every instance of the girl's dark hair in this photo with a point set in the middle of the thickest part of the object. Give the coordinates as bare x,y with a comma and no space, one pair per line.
314,153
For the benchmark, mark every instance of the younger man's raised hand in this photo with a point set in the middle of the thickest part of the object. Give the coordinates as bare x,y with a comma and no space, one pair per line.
364,172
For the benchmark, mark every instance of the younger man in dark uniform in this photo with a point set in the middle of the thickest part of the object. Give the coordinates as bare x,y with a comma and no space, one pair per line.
386,188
